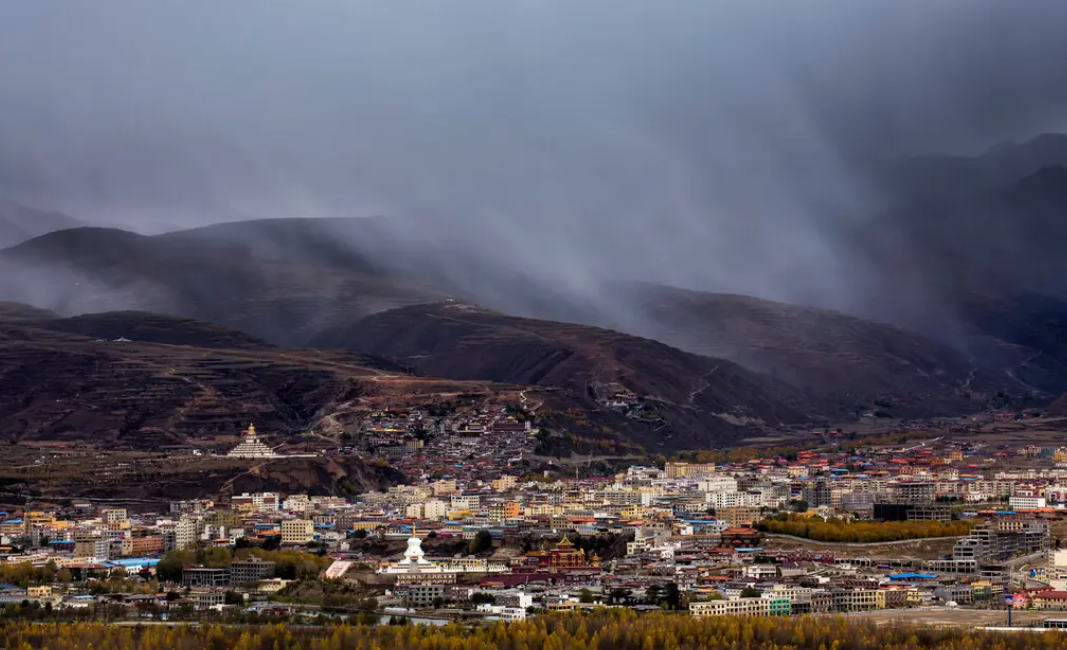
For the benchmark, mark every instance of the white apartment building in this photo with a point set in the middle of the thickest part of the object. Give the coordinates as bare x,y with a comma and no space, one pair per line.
733,499
185,533
259,502
445,487
297,503
435,509
1026,503
732,607
504,483
466,502
717,483
506,614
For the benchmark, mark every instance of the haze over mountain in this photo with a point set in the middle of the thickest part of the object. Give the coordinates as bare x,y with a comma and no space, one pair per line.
262,278
19,223
718,146
811,190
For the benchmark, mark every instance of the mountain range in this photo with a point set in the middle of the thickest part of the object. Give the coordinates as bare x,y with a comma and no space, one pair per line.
717,367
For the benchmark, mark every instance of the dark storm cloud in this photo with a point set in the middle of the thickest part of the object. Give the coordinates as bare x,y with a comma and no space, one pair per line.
712,144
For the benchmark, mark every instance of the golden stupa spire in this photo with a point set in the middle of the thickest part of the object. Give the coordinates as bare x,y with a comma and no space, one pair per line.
251,430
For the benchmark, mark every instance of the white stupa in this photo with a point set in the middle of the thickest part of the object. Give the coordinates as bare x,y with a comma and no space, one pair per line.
414,567
251,446
414,559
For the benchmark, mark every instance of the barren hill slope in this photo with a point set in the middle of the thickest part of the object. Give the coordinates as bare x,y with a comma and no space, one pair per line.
57,386
62,386
702,398
1059,407
843,358
17,312
146,327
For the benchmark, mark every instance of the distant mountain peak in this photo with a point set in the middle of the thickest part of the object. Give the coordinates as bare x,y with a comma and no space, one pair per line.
19,223
1049,172
1044,139
1049,180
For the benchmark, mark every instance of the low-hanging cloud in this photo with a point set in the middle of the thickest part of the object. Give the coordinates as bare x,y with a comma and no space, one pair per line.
716,145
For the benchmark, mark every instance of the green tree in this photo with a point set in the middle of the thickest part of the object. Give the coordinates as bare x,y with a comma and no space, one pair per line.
672,597
482,542
482,598
170,567
233,598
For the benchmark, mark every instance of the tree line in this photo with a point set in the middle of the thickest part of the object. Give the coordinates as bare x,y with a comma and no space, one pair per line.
839,530
615,629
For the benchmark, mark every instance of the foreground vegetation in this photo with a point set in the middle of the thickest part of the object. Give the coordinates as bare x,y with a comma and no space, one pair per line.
838,530
615,630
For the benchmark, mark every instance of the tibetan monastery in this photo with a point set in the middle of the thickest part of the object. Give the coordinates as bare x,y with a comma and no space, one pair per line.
565,557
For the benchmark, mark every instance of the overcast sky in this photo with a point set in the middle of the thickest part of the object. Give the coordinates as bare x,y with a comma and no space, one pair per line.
703,142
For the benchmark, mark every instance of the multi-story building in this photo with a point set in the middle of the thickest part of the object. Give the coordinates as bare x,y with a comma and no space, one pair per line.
504,483
717,483
858,600
422,595
210,598
97,547
1026,502
719,500
114,514
817,494
688,470
469,502
202,576
140,545
258,502
185,532
739,515
192,506
757,606
435,509
35,518
991,545
913,512
252,569
989,489
502,511
961,594
445,487
297,503
170,539
616,497
298,531
913,492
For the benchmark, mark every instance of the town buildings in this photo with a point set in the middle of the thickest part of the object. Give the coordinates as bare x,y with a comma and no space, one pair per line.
463,526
